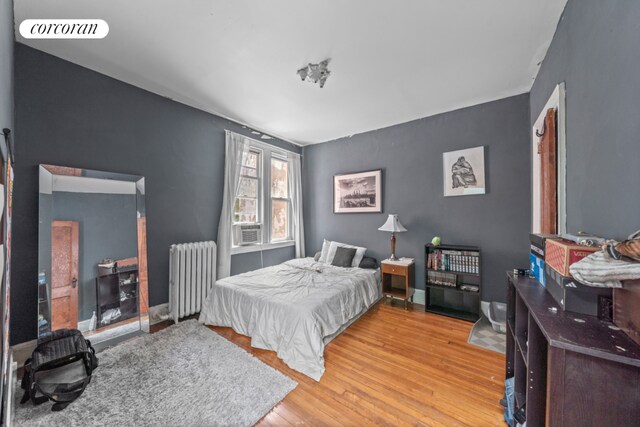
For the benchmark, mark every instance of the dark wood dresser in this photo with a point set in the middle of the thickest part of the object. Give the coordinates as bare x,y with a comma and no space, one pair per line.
570,369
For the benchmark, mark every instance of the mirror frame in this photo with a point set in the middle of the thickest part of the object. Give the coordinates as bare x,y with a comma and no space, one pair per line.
46,173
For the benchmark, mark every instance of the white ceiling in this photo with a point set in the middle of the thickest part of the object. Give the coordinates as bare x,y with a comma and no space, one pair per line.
391,61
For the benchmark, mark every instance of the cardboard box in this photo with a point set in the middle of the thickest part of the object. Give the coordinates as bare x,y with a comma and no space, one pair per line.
573,296
626,314
560,254
538,242
536,267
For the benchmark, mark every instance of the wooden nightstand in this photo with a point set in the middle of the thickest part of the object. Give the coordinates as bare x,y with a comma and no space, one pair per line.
398,280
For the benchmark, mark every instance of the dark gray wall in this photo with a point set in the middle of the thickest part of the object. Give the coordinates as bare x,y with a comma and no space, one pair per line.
6,64
595,51
69,115
410,156
108,228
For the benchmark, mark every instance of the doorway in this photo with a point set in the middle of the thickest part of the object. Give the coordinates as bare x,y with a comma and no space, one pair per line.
64,274
548,150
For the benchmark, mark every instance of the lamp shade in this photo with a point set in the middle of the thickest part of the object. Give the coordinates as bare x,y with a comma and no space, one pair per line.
392,225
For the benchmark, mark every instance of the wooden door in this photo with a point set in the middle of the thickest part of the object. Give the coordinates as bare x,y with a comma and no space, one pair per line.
64,274
142,266
547,150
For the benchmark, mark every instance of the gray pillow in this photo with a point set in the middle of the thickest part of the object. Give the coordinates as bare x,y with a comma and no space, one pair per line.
316,257
344,257
368,262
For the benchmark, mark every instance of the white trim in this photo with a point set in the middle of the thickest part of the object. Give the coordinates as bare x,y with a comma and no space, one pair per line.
83,325
158,313
264,199
264,145
557,101
484,306
261,247
23,351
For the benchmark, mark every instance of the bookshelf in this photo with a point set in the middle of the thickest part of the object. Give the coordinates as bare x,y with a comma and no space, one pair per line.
453,281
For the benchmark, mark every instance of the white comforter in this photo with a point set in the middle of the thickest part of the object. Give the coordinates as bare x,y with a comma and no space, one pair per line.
293,308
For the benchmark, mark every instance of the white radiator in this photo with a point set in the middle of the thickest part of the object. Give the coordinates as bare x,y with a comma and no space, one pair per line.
192,273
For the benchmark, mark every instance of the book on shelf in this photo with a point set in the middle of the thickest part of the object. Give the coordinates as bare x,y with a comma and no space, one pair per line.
442,279
454,261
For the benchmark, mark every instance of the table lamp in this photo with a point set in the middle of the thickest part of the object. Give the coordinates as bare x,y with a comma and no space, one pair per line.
393,226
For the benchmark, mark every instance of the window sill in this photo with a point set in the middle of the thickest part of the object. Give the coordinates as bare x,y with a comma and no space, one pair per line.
265,247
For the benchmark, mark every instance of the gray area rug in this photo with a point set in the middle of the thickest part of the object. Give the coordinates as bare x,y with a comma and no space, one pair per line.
483,335
185,375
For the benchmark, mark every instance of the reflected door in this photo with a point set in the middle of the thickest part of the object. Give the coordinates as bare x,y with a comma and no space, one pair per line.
64,274
547,149
142,265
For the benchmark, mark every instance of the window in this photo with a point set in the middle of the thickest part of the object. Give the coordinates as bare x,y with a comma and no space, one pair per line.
246,207
280,202
263,195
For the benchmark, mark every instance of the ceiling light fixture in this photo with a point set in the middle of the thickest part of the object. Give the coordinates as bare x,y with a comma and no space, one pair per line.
315,73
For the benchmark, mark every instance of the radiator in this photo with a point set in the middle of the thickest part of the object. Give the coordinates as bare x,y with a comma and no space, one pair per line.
192,273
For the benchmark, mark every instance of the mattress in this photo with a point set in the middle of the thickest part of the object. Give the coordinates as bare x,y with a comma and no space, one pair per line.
294,308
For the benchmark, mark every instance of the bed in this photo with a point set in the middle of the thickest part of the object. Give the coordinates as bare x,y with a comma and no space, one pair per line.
294,308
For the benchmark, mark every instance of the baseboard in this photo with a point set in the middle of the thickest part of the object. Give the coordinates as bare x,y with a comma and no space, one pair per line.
419,298
484,306
23,351
158,313
84,325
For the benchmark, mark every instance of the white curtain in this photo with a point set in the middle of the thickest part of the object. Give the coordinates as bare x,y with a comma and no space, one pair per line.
295,191
236,147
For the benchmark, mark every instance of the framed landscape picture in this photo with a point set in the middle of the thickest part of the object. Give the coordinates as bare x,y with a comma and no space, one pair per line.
464,172
358,192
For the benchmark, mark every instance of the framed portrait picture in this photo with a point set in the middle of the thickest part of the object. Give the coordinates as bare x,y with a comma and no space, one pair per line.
464,172
358,192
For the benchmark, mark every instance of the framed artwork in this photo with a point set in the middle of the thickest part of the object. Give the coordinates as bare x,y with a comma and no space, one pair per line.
463,172
358,192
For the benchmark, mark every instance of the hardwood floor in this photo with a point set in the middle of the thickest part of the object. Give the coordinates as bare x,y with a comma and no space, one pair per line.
393,367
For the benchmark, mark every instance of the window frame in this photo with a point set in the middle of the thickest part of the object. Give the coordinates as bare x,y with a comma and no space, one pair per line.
282,158
265,200
259,196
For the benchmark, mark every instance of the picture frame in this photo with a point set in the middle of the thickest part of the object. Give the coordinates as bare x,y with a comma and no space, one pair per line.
464,172
358,192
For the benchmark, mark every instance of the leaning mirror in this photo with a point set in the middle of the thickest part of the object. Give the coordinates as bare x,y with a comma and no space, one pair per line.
92,257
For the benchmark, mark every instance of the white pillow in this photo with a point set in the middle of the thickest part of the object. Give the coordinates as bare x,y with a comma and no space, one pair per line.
356,259
325,250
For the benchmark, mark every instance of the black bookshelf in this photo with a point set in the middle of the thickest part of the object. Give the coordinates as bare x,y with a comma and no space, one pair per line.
117,288
453,281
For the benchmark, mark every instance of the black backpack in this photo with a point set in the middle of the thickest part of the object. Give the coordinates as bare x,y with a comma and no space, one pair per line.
59,369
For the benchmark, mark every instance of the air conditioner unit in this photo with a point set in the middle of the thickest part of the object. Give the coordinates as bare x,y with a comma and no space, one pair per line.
247,234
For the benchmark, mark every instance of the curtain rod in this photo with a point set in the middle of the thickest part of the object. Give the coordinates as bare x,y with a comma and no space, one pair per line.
265,142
